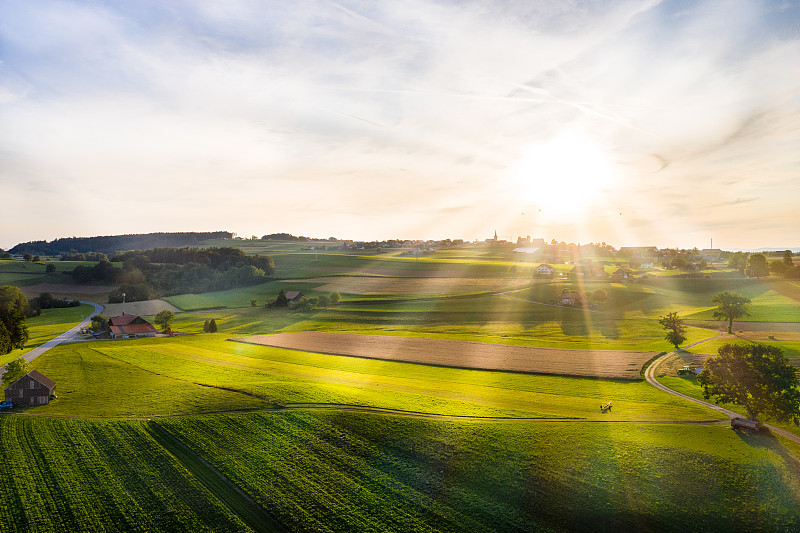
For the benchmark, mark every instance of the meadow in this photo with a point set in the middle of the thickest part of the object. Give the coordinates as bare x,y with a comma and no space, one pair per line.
335,443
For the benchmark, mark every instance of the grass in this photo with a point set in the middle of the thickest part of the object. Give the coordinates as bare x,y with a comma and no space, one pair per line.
239,297
208,373
50,324
70,475
356,472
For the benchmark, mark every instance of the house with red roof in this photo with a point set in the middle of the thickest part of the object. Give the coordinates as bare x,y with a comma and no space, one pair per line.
127,326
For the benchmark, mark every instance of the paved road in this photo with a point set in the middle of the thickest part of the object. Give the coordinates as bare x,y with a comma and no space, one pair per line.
650,376
70,334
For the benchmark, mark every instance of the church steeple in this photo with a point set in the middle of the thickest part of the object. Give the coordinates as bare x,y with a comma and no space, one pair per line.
495,236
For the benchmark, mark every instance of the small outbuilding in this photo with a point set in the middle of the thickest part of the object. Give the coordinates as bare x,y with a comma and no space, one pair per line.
294,296
127,326
33,388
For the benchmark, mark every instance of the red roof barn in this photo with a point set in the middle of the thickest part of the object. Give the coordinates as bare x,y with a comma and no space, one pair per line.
125,326
31,389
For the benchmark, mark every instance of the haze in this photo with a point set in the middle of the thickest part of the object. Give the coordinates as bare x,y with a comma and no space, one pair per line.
636,123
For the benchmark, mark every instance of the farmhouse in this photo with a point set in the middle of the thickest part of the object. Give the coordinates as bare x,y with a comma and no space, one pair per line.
31,389
544,270
293,296
571,298
127,326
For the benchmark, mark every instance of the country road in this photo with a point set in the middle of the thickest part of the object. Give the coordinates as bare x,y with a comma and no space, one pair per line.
70,334
650,376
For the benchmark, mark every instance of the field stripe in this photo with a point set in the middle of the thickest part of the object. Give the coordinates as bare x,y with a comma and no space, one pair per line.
230,494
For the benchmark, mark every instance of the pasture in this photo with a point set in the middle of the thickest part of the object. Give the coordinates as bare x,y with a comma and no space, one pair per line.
207,373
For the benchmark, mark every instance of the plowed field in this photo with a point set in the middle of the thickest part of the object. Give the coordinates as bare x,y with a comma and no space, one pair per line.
614,364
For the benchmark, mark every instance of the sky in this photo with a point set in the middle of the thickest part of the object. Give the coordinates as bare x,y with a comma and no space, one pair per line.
665,123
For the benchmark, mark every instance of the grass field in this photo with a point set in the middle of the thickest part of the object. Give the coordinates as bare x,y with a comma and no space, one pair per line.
50,324
70,475
207,373
356,472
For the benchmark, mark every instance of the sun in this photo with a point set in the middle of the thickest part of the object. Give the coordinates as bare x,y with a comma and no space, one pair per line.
565,175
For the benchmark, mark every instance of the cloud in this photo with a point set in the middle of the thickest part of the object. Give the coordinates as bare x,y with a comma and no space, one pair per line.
401,106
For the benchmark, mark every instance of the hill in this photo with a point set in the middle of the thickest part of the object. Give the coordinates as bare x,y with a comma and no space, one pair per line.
115,243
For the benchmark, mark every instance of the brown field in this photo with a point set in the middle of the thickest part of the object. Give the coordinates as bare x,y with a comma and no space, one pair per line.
613,364
384,286
147,307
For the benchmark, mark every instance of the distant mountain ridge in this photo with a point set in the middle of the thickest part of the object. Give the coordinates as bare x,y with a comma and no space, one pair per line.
117,243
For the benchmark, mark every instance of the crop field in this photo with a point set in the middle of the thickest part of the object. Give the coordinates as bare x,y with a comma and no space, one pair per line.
363,285
494,319
356,472
206,373
611,364
239,297
71,475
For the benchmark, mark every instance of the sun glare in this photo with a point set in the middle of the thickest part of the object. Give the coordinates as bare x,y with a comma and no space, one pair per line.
564,176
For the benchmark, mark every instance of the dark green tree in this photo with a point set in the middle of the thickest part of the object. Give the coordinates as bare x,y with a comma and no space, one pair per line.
253,302
12,298
27,257
15,330
50,268
323,300
731,305
756,376
206,328
335,297
15,370
212,326
164,318
281,300
676,331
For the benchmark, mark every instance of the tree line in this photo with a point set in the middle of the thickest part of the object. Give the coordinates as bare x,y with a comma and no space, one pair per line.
112,243
147,274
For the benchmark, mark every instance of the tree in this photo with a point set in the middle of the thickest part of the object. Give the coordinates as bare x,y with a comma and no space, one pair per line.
50,268
676,331
281,300
206,328
787,259
14,331
15,370
598,296
335,297
99,323
212,326
13,298
27,257
253,302
757,266
756,376
164,318
323,300
732,305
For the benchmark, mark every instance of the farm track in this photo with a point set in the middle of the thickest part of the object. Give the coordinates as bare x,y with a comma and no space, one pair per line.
229,493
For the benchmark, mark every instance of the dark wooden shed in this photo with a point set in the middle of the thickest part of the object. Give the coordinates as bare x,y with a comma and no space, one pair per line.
33,388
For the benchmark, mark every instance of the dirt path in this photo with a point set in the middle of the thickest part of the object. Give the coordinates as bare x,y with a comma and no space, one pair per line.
650,376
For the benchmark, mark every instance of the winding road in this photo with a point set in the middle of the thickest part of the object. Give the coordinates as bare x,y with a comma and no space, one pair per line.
70,334
650,376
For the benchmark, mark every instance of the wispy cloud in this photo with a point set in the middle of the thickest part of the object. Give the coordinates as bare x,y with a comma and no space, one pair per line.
405,107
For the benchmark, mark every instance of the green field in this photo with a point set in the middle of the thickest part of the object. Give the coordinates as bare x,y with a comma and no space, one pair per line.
164,434
207,373
69,475
50,324
356,472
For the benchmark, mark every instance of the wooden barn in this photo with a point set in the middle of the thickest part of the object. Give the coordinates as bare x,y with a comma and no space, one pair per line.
31,389
127,326
294,296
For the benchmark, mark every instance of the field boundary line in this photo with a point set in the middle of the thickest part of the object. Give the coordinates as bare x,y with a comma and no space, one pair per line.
240,503
650,376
